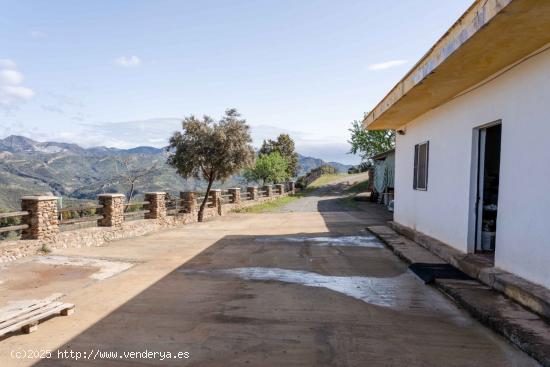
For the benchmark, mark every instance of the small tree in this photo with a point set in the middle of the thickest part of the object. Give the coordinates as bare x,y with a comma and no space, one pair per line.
268,168
211,150
284,145
127,171
368,143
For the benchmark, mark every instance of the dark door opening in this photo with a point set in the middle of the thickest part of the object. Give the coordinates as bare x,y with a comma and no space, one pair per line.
487,190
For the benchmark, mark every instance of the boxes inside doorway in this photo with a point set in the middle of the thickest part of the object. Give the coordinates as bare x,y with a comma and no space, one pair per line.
488,241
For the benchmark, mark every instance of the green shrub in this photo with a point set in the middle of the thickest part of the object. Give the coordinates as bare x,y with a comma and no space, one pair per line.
133,208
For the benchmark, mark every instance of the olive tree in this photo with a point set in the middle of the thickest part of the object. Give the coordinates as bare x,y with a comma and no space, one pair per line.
210,150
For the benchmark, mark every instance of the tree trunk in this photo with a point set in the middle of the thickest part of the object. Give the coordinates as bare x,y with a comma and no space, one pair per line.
131,193
203,204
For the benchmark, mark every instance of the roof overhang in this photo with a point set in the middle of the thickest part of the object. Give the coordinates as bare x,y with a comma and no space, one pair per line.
383,154
490,36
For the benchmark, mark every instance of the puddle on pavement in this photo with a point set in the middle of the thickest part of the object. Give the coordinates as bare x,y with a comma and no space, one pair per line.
106,268
394,292
344,241
403,293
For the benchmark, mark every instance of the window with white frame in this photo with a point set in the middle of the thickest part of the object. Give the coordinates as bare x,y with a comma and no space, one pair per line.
421,154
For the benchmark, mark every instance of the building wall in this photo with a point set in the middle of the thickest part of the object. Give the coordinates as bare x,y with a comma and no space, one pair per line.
521,99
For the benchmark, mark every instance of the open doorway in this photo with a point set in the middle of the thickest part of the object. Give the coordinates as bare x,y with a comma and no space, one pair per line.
488,174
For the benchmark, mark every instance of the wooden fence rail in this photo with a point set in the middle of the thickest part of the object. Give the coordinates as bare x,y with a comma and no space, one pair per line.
91,218
42,219
13,214
15,227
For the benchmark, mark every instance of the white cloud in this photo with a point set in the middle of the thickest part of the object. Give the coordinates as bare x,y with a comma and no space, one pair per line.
386,64
155,132
328,148
37,34
10,77
7,64
19,92
11,90
128,61
128,134
54,109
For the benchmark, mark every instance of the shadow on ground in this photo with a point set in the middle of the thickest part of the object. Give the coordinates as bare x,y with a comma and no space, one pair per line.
293,300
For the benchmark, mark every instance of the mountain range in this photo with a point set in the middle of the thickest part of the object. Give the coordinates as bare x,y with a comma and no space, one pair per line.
69,170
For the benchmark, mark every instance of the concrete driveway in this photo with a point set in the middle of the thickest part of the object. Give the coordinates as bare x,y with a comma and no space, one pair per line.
308,288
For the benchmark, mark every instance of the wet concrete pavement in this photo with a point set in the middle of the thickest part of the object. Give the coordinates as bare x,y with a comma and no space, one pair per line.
296,288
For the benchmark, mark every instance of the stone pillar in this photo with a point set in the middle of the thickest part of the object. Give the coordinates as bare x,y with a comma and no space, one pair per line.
280,189
252,192
292,187
189,200
156,206
236,195
42,220
268,190
215,197
113,210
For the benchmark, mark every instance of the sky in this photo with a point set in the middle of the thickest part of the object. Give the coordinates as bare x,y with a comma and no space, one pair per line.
124,73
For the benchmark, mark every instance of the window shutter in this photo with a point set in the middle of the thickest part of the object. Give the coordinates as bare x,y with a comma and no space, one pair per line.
426,168
415,171
421,158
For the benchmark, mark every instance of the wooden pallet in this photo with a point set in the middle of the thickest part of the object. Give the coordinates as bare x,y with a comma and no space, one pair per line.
26,315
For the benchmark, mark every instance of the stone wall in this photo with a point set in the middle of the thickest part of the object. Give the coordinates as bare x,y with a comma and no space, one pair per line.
44,225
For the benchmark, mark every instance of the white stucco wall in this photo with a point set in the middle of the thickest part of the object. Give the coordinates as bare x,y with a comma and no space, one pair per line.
521,99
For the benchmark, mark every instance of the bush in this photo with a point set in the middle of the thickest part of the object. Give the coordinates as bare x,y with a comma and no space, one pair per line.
133,208
268,168
78,213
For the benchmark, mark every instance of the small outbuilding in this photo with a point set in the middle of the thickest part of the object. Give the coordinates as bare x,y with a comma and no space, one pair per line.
382,176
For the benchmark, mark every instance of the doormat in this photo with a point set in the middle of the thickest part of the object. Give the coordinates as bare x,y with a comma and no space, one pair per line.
430,272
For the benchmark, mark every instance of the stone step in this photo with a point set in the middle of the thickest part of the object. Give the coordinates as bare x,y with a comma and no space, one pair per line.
526,329
530,295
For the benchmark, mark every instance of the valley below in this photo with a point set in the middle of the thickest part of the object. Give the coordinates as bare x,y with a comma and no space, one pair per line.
75,173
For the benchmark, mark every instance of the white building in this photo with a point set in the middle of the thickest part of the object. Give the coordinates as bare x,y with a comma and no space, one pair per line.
473,143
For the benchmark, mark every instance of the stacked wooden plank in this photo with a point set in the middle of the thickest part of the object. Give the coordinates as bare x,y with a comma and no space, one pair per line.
26,315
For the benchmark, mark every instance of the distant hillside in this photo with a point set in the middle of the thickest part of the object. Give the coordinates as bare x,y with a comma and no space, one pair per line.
30,167
309,163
